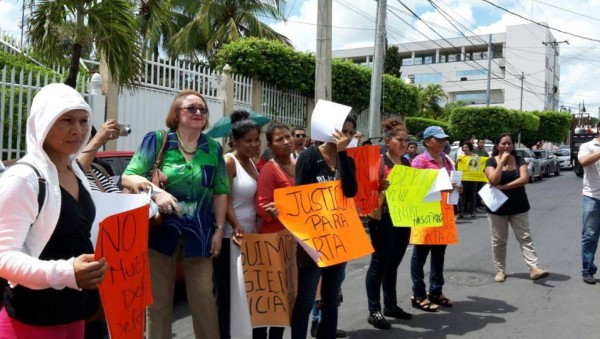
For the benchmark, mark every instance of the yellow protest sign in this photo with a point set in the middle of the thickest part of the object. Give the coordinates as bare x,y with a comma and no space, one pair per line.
324,221
408,187
472,167
270,275
444,235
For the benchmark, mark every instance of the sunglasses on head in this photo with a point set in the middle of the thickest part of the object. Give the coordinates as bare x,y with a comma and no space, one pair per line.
194,109
300,135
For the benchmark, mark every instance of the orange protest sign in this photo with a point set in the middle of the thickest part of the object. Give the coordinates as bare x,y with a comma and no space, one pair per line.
270,275
125,290
444,235
324,221
367,163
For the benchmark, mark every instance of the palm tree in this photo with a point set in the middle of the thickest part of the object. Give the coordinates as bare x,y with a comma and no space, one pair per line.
430,99
214,23
157,21
59,27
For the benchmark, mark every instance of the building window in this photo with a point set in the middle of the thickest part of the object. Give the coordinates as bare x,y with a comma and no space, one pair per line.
407,62
453,57
428,78
474,98
472,73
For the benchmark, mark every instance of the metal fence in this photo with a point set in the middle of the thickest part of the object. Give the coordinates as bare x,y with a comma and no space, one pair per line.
288,107
17,89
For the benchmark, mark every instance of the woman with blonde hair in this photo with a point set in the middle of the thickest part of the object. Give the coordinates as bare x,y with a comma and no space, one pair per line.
193,203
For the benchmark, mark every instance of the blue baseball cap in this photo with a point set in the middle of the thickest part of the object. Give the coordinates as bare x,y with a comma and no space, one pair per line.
435,132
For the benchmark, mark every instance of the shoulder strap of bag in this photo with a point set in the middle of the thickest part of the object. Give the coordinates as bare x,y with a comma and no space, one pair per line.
161,153
41,183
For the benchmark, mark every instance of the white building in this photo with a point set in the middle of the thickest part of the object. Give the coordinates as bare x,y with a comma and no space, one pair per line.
460,66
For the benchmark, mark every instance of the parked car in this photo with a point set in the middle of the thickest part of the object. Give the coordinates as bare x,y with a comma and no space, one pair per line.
549,162
115,163
563,156
533,165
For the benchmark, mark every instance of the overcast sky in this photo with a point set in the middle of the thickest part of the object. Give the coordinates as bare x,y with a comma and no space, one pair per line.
354,26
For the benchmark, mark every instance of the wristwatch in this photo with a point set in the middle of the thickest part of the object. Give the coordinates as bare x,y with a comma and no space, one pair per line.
219,227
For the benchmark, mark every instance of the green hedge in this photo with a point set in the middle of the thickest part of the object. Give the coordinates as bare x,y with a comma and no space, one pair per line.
11,61
553,127
417,125
278,64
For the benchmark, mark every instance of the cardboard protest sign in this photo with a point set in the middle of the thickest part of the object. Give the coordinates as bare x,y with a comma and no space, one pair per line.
324,221
444,235
473,167
326,117
406,197
270,275
125,290
367,163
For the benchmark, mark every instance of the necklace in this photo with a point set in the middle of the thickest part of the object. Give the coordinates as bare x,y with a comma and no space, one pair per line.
185,150
392,159
327,160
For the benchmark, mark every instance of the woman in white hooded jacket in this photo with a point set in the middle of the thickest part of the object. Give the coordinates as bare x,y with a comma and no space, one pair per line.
47,258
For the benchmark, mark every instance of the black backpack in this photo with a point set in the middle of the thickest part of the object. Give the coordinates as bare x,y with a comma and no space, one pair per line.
41,198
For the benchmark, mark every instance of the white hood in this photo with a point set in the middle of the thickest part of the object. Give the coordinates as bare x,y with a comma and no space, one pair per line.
50,103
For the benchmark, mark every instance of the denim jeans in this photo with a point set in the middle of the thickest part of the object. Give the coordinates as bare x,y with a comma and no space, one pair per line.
436,274
390,245
590,233
331,283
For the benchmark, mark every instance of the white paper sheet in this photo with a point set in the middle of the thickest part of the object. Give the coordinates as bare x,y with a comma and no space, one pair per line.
454,196
239,324
326,117
441,183
108,204
492,197
353,143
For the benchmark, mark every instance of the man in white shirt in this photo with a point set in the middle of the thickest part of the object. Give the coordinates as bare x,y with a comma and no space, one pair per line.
589,158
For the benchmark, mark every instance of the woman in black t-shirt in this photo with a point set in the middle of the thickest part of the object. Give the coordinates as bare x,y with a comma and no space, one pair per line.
326,162
508,172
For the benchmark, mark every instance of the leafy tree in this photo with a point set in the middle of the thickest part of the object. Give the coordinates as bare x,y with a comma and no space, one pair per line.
214,23
553,127
109,25
392,62
430,99
452,105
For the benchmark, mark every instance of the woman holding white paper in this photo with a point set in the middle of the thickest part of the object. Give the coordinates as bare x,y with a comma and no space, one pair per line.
507,172
327,162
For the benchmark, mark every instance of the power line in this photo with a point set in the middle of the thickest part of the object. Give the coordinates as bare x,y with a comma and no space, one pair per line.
540,24
466,62
567,10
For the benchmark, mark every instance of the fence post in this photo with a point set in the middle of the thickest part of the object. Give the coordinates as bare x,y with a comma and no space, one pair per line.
257,104
310,106
226,90
111,91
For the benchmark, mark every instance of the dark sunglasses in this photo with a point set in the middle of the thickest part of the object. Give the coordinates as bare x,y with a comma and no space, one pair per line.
299,136
194,109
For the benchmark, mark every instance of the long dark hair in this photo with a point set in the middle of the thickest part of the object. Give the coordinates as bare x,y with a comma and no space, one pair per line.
497,142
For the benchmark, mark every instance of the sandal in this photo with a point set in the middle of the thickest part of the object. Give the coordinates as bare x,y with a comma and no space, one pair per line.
423,304
440,299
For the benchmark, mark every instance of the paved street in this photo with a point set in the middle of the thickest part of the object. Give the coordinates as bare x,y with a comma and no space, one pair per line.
561,306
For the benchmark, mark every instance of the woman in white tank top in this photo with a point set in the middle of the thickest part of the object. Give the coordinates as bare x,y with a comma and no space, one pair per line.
241,213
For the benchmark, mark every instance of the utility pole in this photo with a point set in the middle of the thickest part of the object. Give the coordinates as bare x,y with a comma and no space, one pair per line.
522,77
377,72
323,52
553,90
489,75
